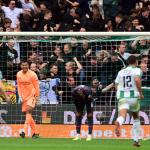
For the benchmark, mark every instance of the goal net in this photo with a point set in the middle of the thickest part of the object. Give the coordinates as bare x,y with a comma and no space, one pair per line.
62,61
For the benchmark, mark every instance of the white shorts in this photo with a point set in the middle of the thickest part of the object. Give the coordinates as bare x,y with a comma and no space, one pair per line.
131,104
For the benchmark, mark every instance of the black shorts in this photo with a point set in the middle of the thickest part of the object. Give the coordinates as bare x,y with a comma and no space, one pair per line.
81,104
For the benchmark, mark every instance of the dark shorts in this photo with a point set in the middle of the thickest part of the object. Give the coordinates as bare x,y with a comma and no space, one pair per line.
81,104
82,97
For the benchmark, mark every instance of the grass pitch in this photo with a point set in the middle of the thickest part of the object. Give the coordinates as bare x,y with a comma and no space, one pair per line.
68,144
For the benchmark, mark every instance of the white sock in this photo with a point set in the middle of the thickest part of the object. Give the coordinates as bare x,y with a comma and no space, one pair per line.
89,135
120,120
136,129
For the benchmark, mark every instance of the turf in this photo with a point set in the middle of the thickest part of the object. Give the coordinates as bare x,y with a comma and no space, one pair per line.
68,144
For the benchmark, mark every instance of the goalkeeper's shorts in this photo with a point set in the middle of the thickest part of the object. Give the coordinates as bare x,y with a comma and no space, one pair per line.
131,104
31,102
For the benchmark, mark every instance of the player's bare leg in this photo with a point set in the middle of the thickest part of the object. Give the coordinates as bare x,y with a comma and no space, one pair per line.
90,126
136,129
78,126
29,122
117,128
120,120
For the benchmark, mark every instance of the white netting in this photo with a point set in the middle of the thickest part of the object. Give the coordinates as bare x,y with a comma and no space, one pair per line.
63,61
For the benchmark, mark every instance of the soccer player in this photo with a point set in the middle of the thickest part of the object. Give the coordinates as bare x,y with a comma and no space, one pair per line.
28,89
129,92
82,96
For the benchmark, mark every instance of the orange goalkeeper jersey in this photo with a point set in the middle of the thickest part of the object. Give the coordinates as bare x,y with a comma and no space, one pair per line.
28,85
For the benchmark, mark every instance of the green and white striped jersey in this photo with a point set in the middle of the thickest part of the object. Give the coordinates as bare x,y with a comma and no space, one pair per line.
126,83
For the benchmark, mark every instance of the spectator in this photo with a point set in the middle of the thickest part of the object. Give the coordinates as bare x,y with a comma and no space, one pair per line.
136,24
34,58
6,23
68,54
145,19
85,51
82,4
9,59
92,69
122,55
99,3
75,15
56,56
53,72
102,57
109,26
119,22
146,74
29,5
47,23
34,67
144,59
71,70
67,88
139,46
97,23
110,69
12,12
96,87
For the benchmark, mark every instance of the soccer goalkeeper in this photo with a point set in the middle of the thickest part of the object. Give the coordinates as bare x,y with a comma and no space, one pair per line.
28,89
129,92
82,96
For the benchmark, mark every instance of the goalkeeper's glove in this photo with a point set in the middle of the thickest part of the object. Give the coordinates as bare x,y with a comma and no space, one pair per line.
37,101
20,100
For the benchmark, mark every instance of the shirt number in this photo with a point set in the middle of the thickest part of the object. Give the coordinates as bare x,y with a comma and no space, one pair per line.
127,81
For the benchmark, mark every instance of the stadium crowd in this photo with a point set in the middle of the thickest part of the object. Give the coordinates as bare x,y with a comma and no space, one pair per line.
74,15
91,63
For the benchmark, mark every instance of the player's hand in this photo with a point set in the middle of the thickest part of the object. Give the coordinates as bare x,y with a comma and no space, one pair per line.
37,101
21,100
90,98
141,96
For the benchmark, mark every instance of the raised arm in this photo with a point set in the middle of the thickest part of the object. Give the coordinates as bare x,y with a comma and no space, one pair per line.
134,43
74,4
34,6
78,63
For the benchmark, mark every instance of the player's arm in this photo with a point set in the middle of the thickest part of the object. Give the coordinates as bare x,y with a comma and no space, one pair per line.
19,88
139,86
74,4
78,63
34,6
3,93
90,97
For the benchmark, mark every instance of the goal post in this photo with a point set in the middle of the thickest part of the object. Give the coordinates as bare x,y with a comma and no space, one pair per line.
63,60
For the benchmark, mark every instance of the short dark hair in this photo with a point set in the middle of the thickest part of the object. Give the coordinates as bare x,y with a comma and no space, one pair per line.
53,65
24,61
7,20
132,60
